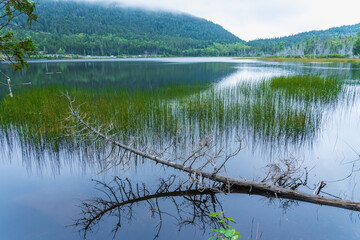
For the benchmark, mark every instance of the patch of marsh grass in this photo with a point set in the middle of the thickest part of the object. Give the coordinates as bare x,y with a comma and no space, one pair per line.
308,88
281,110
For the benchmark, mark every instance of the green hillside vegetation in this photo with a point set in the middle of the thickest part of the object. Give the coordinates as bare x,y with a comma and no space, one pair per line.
334,43
93,29
336,32
66,27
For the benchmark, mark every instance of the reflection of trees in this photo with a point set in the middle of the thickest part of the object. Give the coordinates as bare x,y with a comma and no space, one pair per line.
192,204
121,75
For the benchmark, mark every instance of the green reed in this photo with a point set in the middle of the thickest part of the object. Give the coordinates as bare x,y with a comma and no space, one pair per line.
281,110
309,88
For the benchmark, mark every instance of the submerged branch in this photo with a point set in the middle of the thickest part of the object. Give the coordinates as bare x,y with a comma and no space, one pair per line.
9,85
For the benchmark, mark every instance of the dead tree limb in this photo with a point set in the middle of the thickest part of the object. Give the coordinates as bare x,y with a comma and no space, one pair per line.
232,184
9,85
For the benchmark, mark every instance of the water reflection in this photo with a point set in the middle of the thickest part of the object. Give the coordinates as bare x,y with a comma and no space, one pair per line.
121,197
331,130
240,102
128,75
173,199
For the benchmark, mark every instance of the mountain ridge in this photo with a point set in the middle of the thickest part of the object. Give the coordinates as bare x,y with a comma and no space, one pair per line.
333,33
316,32
94,29
130,17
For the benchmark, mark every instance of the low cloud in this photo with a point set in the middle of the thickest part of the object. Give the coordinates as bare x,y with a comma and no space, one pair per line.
252,19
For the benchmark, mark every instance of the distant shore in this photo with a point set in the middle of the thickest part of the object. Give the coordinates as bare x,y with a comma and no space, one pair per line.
75,56
275,59
309,60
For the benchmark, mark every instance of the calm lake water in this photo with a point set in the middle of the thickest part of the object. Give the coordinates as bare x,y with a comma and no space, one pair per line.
41,194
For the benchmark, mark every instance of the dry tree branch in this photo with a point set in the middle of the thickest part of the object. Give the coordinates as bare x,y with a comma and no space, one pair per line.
232,184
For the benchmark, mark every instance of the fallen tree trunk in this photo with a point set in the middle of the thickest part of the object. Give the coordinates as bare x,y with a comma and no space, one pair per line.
233,184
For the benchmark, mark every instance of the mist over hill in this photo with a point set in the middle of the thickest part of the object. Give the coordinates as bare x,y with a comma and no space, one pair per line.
94,29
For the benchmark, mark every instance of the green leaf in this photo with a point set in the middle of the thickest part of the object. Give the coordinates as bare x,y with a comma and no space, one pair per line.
214,230
235,237
211,237
229,233
230,218
213,214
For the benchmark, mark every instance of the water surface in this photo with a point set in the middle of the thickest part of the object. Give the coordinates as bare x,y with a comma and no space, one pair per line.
41,191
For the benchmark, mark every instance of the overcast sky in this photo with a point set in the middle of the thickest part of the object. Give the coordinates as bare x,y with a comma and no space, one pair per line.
252,19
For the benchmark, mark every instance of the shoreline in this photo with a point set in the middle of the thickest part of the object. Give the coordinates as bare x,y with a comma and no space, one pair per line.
77,58
312,60
139,59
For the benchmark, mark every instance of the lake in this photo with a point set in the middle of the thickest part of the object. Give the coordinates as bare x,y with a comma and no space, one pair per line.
49,183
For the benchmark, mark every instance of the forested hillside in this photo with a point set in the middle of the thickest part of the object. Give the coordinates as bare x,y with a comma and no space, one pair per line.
78,28
93,29
334,42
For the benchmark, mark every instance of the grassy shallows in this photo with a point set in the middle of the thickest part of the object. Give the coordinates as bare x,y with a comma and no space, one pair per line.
309,88
282,110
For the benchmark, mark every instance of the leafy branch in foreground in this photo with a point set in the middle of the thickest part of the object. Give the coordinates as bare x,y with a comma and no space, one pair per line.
226,231
12,49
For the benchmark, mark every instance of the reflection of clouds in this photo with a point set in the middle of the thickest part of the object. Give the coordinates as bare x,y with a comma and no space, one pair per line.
334,148
339,149
251,74
58,206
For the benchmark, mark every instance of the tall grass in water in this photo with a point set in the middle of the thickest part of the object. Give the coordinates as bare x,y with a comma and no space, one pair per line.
38,113
281,110
308,88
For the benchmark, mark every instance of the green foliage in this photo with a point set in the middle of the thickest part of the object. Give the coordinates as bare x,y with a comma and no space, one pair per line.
336,32
94,29
311,44
226,231
15,7
356,49
67,18
13,48
271,112
337,55
60,51
110,30
281,46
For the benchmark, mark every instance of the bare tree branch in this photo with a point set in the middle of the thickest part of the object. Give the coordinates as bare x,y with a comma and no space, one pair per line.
252,187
